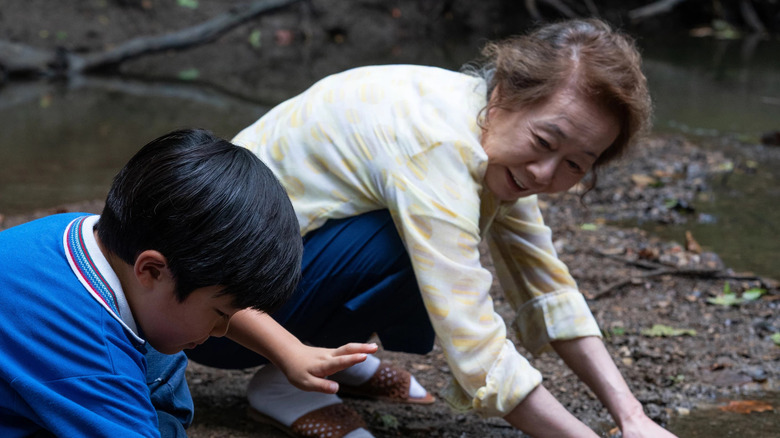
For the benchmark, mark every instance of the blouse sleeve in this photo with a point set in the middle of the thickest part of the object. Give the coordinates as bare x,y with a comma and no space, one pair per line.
536,282
440,229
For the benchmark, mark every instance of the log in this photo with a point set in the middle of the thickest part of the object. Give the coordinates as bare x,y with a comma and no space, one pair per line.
17,59
21,59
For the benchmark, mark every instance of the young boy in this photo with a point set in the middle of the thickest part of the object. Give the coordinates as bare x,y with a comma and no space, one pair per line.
194,230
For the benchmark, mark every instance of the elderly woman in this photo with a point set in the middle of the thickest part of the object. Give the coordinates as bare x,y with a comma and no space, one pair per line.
397,173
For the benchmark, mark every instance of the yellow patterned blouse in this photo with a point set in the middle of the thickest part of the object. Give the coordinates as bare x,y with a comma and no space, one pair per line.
405,138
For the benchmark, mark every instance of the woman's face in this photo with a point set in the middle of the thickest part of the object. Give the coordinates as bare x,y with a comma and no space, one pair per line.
546,148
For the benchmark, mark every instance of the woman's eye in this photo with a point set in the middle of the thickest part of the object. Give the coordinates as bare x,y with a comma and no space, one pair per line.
574,166
542,142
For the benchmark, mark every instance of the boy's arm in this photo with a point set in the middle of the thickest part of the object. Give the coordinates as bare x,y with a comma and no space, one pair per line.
305,367
590,360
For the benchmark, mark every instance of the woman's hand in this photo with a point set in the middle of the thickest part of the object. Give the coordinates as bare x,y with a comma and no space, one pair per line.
589,359
307,367
641,426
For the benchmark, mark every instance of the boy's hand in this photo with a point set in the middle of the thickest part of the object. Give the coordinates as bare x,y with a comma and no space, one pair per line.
305,367
308,367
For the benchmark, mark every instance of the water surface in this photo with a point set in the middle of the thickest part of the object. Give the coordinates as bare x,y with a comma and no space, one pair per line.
61,144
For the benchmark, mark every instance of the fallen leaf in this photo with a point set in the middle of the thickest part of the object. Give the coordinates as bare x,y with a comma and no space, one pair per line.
725,300
649,253
753,294
776,338
731,299
189,74
691,244
387,421
45,101
659,330
642,181
420,367
283,37
255,38
746,406
191,4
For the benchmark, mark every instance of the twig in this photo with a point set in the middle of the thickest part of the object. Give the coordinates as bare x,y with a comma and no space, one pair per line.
659,270
638,263
558,5
657,8
700,273
663,271
592,9
533,10
561,7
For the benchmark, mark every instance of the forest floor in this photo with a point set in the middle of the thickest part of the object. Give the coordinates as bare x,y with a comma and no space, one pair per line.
707,349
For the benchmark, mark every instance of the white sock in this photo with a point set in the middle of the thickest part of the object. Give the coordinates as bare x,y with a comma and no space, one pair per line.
270,393
360,373
416,390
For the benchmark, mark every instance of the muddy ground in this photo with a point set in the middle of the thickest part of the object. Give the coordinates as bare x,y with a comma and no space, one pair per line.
633,280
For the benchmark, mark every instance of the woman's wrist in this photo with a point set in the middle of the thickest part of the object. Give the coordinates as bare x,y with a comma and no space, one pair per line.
626,410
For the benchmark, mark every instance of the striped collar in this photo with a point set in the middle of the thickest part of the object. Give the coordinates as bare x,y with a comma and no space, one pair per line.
95,274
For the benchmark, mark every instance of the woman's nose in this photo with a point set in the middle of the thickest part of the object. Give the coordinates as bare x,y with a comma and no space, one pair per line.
543,171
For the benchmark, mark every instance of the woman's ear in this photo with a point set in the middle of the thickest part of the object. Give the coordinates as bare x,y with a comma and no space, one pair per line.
151,269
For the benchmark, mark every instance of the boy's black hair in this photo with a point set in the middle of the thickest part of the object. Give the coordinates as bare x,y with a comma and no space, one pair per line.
214,210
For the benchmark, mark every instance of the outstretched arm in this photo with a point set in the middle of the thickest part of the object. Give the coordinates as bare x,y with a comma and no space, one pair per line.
305,367
590,360
541,415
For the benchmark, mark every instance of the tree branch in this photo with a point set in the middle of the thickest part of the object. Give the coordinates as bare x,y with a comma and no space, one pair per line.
20,59
751,17
653,9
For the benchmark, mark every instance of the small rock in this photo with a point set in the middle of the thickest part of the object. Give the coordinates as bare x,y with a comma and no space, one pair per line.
771,138
682,411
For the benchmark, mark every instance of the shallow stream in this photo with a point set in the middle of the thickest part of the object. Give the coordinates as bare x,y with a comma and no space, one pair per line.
63,143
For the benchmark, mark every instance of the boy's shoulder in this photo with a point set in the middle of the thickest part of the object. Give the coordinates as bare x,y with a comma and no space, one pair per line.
41,225
26,240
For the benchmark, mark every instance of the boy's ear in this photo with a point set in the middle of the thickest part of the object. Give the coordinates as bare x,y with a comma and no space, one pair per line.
151,267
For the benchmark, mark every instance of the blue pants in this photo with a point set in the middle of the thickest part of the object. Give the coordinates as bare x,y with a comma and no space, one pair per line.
357,281
169,392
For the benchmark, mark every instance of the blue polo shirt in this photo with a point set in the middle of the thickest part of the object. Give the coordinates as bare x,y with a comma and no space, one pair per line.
70,361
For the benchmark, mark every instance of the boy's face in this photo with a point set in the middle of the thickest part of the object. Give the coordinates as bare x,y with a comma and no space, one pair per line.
171,326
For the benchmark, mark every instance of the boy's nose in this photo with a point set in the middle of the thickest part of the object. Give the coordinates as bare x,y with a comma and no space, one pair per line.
221,328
